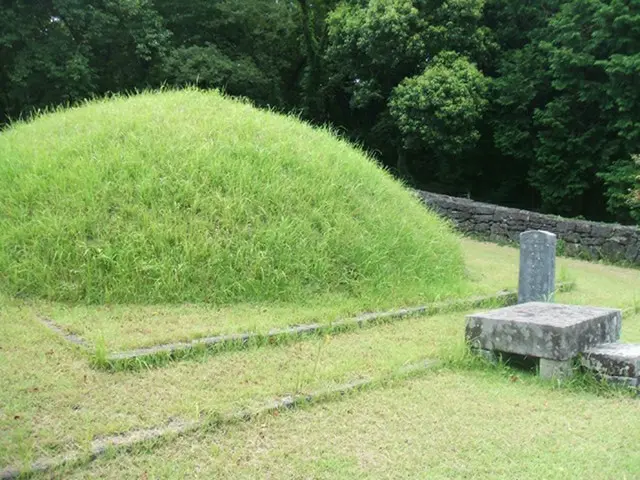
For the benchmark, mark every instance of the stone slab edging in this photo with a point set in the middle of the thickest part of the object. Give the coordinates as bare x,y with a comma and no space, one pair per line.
580,238
238,340
69,337
311,328
128,440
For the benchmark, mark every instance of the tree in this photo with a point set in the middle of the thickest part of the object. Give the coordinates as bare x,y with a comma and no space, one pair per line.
570,106
313,16
61,51
248,48
40,62
208,67
373,46
438,112
623,186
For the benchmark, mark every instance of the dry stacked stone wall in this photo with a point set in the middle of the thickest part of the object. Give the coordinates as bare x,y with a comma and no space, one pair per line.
579,238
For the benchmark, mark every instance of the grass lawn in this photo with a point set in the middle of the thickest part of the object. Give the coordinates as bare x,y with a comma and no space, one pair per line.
445,425
453,422
490,268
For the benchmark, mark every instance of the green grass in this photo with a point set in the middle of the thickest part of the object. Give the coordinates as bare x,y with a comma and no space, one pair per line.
490,268
126,327
170,216
495,266
52,401
444,425
187,196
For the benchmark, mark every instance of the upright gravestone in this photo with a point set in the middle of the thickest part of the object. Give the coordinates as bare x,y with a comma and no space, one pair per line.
537,281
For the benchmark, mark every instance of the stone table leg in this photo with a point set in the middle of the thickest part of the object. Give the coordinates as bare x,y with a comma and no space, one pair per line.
555,368
488,355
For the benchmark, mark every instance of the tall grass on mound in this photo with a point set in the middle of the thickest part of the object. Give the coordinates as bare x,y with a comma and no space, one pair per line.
187,196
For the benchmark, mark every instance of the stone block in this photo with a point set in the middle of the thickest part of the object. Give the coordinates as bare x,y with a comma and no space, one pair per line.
614,247
501,214
600,230
543,330
564,227
623,381
582,226
555,368
633,252
591,240
483,209
571,237
537,274
460,215
482,218
613,359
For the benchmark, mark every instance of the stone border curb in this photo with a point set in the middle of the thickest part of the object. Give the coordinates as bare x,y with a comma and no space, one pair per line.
361,321
240,340
338,325
70,337
101,446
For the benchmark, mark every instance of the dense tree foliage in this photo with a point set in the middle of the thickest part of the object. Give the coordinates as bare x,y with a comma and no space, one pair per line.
573,97
61,51
533,103
438,112
249,48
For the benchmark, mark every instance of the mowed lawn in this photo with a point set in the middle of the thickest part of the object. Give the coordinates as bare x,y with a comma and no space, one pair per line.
444,425
450,422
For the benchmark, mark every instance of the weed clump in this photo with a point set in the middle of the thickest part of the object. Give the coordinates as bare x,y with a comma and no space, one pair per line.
188,196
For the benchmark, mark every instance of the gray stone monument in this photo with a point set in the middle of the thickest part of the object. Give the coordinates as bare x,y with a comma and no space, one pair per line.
537,281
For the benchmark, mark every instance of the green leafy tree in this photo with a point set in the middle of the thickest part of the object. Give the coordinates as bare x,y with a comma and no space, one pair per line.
208,67
313,16
439,110
570,106
373,46
623,186
60,51
40,62
249,48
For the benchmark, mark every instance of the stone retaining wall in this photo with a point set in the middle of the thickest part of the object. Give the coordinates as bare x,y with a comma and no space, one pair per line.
579,238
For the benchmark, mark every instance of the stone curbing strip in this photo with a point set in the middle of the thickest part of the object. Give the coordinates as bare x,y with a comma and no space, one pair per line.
70,337
504,298
130,439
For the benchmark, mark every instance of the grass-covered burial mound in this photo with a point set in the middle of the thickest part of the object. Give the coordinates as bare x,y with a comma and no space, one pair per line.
187,196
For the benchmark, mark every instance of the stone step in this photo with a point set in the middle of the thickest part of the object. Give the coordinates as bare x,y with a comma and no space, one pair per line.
620,360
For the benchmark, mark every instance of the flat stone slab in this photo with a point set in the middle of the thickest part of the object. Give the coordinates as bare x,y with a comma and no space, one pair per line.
623,381
544,330
613,359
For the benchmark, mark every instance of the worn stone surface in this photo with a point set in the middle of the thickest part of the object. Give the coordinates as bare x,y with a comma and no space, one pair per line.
70,337
555,368
613,359
580,238
543,330
626,381
537,274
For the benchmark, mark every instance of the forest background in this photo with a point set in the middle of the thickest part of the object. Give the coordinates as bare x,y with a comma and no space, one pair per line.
532,104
